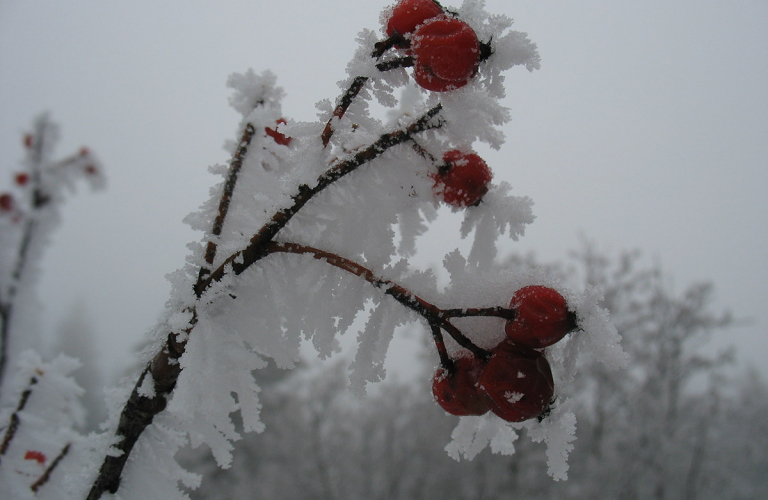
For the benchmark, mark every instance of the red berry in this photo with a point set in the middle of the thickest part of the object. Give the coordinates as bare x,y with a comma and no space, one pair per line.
408,14
517,382
6,202
84,151
37,456
28,140
463,180
277,136
542,317
457,392
447,54
21,179
90,170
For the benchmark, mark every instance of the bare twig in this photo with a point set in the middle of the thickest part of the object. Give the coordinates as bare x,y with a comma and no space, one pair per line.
242,260
13,425
434,316
498,312
47,474
400,62
357,83
226,196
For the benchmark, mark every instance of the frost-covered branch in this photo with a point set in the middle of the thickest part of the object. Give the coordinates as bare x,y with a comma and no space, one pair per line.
49,470
430,312
164,369
226,195
13,424
240,261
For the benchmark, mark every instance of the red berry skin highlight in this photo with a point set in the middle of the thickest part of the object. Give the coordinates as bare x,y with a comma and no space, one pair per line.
542,317
466,180
457,392
447,54
408,14
517,382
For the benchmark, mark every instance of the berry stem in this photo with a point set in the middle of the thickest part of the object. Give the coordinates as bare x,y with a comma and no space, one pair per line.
400,62
431,313
357,84
445,360
498,311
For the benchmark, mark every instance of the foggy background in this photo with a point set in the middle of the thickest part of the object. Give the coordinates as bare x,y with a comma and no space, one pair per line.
645,128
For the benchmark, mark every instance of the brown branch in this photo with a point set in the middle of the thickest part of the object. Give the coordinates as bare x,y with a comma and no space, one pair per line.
226,195
240,261
498,312
164,369
359,81
445,360
47,474
430,312
13,426
346,100
400,62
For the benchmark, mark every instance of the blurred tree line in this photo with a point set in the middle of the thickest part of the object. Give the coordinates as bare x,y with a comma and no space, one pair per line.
674,425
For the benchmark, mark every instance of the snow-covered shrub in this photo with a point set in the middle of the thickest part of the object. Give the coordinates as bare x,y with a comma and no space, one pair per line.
311,227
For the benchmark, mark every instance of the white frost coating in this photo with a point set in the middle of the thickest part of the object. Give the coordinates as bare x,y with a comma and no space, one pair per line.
558,431
152,471
147,387
373,343
473,434
46,424
216,368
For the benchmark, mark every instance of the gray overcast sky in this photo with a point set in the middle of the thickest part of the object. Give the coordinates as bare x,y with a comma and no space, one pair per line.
645,127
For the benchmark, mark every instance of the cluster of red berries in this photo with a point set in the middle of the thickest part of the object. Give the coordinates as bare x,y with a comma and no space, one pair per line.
445,49
515,382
